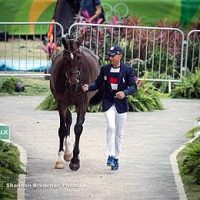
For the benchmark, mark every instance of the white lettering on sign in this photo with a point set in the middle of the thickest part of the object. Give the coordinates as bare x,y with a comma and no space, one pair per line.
4,132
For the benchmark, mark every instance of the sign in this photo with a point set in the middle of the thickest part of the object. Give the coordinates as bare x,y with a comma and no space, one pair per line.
4,132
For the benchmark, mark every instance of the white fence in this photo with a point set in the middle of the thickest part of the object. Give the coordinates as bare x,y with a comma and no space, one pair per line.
156,50
192,61
22,53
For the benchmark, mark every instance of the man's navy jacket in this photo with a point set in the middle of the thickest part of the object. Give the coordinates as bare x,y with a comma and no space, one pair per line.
126,84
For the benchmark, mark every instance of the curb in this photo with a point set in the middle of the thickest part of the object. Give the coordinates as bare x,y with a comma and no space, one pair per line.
22,177
175,168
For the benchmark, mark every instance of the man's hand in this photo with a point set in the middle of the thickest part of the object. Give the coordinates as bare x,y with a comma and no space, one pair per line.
120,95
85,88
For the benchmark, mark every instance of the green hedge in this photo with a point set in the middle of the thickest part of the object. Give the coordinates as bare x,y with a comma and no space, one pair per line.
189,86
10,168
191,162
146,99
7,85
33,86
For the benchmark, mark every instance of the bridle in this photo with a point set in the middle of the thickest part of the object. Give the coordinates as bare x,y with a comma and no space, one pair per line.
76,74
72,52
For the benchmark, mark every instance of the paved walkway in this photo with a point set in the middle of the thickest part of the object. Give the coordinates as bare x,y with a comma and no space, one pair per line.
145,171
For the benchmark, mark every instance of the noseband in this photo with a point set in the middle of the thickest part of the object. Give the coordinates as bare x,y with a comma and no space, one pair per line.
75,74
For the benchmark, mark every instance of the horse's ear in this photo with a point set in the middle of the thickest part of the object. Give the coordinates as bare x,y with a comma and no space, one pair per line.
80,40
64,41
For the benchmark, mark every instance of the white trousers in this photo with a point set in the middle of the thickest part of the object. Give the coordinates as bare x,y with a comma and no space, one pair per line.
115,129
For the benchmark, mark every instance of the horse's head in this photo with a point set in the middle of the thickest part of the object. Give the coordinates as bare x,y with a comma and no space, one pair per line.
72,58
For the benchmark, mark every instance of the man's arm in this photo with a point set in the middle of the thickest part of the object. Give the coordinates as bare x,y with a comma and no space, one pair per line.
132,86
97,13
96,84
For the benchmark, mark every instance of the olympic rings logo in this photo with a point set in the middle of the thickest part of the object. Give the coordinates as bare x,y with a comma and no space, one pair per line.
120,10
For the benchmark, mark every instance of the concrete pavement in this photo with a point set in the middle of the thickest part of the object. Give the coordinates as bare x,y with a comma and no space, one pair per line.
145,170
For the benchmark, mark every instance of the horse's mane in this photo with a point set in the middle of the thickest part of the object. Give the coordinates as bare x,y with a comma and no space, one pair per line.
56,53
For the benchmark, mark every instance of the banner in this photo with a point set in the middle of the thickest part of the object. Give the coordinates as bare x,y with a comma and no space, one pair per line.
150,12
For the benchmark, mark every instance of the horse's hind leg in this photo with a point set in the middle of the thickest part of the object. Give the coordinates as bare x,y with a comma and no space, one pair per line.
62,133
78,128
68,146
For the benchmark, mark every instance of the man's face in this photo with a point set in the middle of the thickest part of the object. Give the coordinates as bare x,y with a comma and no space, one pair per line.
115,60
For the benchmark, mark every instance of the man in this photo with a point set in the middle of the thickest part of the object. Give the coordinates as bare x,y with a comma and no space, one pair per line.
116,80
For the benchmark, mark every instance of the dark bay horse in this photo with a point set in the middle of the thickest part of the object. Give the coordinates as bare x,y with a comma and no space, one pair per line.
73,67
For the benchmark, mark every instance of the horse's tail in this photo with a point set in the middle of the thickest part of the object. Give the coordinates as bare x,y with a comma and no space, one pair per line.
97,98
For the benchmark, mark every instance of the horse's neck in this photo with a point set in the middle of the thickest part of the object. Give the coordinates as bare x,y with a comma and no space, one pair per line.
85,49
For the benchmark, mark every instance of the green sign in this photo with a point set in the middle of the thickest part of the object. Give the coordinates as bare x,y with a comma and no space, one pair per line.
4,132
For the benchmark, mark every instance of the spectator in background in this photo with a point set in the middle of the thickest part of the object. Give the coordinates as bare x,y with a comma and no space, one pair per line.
91,11
64,13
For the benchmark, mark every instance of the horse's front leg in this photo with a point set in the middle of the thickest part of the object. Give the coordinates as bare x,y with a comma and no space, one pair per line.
63,132
78,128
68,145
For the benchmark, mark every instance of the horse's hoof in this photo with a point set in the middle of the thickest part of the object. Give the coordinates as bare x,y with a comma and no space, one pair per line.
68,157
59,165
74,166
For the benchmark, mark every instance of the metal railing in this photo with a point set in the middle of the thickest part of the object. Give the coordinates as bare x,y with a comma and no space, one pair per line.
158,52
22,53
192,57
